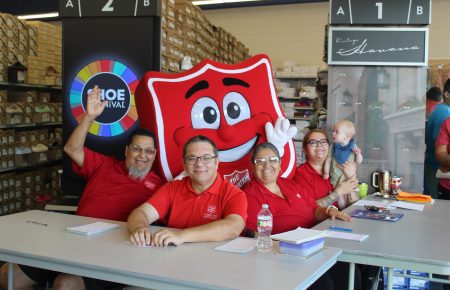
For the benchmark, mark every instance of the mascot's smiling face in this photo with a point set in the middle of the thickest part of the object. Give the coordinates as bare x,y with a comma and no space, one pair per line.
230,104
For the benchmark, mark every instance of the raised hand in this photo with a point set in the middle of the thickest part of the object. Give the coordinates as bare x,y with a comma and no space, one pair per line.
280,134
94,106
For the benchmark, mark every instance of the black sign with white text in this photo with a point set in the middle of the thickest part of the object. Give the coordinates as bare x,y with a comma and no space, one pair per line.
378,46
108,8
380,12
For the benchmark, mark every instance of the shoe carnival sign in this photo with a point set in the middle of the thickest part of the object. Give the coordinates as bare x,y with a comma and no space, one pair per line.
117,83
378,46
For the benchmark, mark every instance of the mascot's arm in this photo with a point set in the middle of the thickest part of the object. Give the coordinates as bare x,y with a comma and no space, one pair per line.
280,134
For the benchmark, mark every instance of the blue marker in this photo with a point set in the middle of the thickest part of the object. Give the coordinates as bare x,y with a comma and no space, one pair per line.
341,229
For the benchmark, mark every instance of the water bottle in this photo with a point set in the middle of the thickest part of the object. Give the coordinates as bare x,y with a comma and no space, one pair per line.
264,243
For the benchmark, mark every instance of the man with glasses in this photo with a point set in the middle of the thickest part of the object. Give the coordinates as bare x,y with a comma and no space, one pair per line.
204,205
114,188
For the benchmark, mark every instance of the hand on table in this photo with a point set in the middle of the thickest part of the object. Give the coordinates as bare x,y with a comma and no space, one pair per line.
167,237
141,237
334,213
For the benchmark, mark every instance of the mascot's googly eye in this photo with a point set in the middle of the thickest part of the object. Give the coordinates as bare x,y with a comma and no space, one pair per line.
236,108
205,114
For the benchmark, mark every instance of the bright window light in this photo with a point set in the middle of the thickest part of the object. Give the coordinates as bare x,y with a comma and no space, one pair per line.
38,16
209,2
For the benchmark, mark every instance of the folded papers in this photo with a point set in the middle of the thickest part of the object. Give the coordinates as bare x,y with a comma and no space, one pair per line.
414,197
299,235
93,228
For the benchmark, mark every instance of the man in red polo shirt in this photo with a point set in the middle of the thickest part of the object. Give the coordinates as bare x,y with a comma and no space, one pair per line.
114,188
204,205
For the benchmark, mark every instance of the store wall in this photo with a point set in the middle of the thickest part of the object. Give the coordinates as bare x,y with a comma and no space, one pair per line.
296,31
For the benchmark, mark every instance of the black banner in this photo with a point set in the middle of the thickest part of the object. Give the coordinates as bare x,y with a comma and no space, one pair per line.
378,46
108,8
380,12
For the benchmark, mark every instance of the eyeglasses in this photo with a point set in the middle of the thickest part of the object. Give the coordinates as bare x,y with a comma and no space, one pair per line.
315,143
205,159
270,160
137,149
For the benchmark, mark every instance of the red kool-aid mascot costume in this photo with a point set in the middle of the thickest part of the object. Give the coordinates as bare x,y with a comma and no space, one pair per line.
233,105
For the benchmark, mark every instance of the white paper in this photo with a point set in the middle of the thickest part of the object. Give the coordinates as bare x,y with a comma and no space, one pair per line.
238,245
299,235
346,236
138,246
407,205
93,228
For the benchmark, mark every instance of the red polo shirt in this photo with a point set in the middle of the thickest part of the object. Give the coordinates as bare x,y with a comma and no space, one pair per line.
110,193
296,209
311,182
443,138
178,204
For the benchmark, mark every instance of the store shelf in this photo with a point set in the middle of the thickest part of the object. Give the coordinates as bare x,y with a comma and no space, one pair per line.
303,108
282,76
31,167
31,126
28,87
289,98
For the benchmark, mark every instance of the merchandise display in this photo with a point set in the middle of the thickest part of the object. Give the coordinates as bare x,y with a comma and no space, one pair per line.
187,32
296,87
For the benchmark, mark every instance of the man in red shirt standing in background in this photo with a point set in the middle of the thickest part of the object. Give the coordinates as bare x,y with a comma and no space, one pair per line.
114,188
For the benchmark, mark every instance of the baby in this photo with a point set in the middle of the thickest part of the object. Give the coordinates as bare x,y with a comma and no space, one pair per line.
344,149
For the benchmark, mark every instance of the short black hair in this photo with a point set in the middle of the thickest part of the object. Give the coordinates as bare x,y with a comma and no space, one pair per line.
200,138
262,146
434,94
141,132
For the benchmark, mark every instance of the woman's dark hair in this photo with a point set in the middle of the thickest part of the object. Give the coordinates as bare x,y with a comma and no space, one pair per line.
141,132
307,135
447,86
197,139
262,146
435,94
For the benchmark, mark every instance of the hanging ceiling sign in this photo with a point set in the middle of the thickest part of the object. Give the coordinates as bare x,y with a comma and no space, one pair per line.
378,46
382,12
108,8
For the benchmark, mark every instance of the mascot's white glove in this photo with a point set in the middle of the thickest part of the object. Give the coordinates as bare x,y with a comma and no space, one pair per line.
280,134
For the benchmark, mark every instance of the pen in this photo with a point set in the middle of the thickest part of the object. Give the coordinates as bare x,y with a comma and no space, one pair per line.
37,223
341,229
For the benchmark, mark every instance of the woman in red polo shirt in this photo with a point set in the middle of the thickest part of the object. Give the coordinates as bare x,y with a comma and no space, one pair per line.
309,177
290,205
290,208
309,174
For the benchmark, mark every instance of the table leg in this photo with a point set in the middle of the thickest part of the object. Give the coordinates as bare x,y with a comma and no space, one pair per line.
390,275
351,276
10,275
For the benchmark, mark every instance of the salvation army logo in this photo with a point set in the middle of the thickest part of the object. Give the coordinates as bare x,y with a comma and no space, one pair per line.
118,84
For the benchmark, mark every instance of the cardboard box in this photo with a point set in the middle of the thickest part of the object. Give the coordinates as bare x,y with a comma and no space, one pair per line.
54,154
22,159
41,118
40,157
13,119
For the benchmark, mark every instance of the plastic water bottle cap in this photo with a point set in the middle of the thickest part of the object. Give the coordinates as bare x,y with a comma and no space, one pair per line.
265,206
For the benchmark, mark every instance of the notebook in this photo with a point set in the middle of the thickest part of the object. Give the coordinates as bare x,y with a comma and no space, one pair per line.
299,235
92,229
376,215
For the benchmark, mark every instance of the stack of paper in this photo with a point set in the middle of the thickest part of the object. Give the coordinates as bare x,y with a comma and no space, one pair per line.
238,245
299,235
92,229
